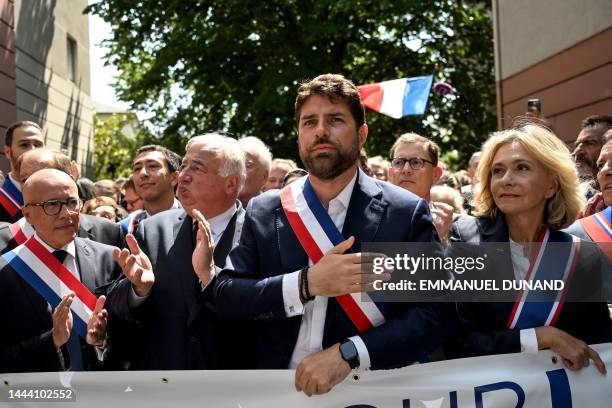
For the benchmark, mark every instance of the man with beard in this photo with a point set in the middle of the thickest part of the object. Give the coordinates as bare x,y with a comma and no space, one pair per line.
300,300
590,140
20,137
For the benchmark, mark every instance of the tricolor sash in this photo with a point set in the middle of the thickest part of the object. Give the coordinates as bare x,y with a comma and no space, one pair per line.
318,234
129,223
21,230
555,259
599,227
10,197
52,280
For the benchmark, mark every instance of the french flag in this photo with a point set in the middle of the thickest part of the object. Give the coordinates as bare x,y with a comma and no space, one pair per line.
399,97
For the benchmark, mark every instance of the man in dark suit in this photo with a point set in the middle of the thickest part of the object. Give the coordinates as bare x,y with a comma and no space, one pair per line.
35,338
161,293
269,281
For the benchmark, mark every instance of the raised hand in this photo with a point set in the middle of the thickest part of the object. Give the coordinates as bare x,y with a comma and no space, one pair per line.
96,326
136,266
442,215
202,258
338,273
62,321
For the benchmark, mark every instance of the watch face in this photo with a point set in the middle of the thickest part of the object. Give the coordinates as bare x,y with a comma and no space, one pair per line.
348,351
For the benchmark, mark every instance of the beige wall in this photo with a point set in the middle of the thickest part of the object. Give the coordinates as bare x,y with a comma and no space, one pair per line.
532,30
557,51
7,72
44,92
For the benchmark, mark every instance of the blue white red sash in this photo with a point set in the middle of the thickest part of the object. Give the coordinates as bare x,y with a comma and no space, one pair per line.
128,224
21,230
317,234
52,280
599,227
548,263
10,197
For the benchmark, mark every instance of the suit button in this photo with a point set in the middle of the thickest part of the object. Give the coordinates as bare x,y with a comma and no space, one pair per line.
193,339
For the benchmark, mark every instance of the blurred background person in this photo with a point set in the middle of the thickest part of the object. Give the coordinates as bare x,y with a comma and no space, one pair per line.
279,168
106,188
379,167
104,207
294,175
258,164
131,200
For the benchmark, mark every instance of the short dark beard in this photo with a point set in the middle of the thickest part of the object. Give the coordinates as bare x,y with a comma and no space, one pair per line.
329,165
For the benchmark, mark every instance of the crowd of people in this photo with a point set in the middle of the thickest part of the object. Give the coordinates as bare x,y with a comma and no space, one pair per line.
229,258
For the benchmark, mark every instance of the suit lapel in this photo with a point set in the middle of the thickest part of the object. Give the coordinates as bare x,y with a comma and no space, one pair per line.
180,256
86,264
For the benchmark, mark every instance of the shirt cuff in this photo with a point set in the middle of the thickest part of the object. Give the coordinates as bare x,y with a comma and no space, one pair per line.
291,294
133,299
529,341
362,350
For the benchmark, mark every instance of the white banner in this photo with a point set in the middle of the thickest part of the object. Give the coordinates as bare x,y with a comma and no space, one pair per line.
511,380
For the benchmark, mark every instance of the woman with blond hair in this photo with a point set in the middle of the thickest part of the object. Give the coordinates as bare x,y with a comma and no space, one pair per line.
529,192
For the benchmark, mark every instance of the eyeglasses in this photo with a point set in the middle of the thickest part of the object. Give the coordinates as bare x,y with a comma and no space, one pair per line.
54,207
416,163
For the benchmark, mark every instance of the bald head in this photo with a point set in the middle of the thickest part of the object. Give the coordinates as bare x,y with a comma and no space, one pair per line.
44,182
34,160
52,206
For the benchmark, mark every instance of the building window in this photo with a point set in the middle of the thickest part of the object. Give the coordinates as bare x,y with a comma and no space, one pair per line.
72,59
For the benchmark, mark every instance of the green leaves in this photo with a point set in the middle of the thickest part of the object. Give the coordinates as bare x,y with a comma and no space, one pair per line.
235,65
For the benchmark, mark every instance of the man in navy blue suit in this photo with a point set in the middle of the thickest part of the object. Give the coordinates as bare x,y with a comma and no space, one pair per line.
298,302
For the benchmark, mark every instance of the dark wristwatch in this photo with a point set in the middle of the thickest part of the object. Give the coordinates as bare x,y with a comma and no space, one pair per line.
349,353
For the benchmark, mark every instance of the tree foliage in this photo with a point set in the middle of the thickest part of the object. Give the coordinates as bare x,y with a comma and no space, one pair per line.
202,65
114,145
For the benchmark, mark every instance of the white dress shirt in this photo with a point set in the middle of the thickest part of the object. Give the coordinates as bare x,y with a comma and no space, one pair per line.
520,263
310,337
70,261
15,182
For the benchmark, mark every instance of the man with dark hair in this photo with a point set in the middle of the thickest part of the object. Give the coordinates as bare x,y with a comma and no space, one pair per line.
155,172
20,137
590,140
295,294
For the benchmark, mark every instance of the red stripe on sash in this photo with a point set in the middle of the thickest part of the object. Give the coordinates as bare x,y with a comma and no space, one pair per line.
62,272
8,205
17,233
348,304
597,234
534,257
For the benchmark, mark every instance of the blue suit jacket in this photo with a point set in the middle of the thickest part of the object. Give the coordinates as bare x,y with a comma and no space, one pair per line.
268,249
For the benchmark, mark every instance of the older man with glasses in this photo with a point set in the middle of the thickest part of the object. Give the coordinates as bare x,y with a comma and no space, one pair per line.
414,167
53,269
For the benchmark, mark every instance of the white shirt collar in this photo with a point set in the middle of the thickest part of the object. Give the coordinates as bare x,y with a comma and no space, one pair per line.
69,247
15,182
219,222
176,204
344,197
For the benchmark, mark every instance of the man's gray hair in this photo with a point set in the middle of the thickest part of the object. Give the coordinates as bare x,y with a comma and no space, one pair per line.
233,156
255,145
